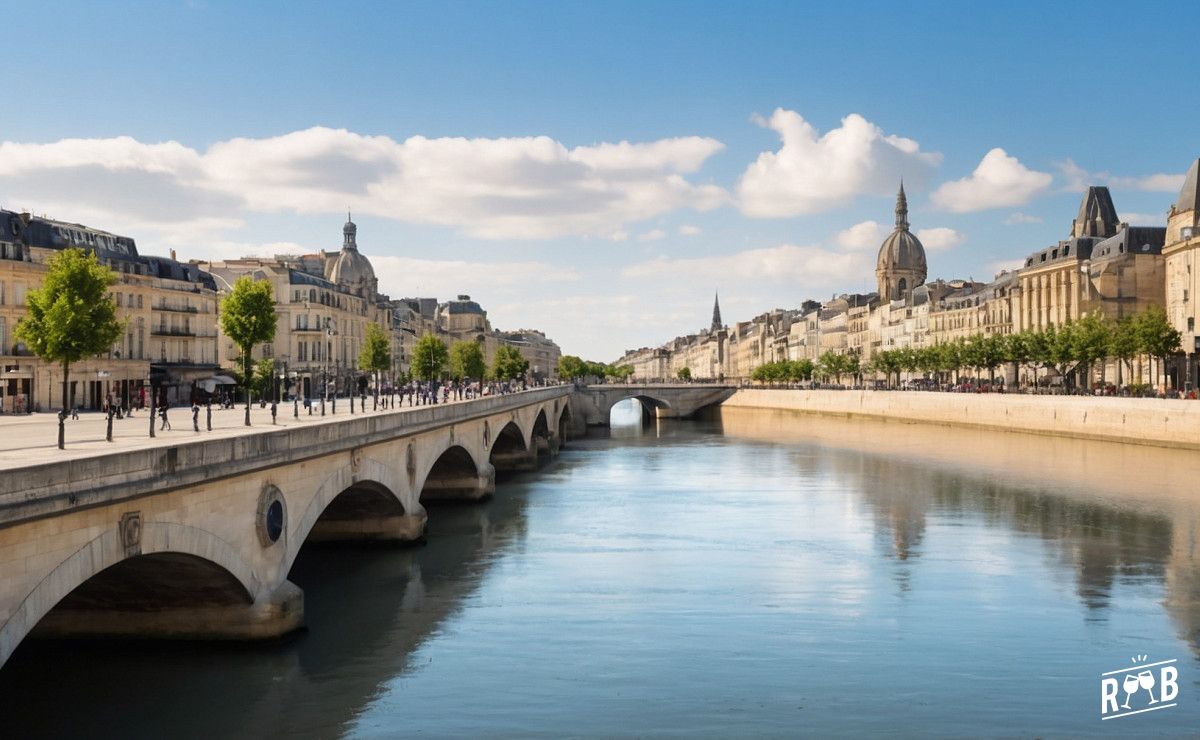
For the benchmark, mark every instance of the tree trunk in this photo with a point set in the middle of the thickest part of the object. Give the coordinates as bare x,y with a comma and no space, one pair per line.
62,415
246,381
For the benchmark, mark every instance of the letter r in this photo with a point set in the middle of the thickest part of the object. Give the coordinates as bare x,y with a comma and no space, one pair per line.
1108,695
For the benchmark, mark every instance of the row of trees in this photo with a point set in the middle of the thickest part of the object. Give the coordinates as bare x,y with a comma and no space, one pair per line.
1070,349
464,361
572,367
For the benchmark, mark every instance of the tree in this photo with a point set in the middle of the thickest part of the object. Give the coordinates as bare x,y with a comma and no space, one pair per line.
508,364
376,355
685,374
466,360
71,316
429,358
620,372
262,379
570,367
247,317
1091,341
1123,345
1156,336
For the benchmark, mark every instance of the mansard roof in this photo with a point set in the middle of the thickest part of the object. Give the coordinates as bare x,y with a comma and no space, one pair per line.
1097,214
1133,240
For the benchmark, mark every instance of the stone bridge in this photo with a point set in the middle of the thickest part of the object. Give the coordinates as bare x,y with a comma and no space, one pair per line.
593,403
196,540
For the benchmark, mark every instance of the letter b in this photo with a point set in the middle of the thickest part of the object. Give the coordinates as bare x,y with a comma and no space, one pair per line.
1169,682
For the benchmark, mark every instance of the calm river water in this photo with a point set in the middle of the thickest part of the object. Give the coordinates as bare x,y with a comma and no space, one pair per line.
756,574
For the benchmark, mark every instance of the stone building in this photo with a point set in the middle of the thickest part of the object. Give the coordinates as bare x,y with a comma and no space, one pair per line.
900,267
1181,253
169,309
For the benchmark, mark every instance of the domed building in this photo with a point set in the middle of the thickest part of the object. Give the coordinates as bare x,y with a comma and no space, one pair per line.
350,269
901,265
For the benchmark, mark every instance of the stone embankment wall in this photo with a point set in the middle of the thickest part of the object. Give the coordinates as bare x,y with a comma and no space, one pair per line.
1148,421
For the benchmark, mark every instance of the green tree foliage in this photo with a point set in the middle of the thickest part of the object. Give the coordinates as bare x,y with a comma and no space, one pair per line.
263,378
70,316
466,361
685,373
376,355
247,317
429,358
570,366
508,364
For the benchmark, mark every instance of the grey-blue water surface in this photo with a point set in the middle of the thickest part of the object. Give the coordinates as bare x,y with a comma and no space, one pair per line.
756,574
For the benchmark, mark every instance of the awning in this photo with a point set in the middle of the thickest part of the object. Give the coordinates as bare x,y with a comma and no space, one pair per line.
210,384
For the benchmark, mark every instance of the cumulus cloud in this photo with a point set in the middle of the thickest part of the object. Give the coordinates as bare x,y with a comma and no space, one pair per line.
1078,179
813,172
503,188
786,263
690,230
1000,266
863,235
451,277
652,235
940,238
1022,218
999,180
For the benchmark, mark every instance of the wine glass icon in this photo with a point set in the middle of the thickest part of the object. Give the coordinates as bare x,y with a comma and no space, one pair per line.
1130,685
1146,680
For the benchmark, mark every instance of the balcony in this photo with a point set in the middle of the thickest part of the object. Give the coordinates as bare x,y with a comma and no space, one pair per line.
176,309
163,331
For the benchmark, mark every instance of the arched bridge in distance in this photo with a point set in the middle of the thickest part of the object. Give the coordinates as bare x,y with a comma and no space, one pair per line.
593,403
196,540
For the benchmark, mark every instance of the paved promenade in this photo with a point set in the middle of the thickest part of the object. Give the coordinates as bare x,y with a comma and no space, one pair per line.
32,439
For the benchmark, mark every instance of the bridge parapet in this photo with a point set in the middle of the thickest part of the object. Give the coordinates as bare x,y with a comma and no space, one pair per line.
47,489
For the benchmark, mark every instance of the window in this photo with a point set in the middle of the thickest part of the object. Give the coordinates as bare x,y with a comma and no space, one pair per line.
1191,323
139,300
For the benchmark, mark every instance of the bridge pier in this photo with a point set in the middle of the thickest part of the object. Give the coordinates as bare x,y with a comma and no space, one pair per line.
461,487
273,615
398,528
516,461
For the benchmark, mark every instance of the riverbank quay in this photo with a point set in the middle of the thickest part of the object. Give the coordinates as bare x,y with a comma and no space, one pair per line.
1144,421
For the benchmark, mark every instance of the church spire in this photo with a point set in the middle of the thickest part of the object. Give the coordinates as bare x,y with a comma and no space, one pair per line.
716,320
901,208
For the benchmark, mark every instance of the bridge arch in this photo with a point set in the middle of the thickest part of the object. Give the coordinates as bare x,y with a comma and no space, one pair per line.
564,422
166,550
347,502
455,474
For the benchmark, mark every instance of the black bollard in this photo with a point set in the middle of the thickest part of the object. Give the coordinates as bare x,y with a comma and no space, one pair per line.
108,432
273,411
208,415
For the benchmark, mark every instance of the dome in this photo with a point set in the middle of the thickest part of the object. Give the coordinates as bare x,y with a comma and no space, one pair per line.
352,268
902,250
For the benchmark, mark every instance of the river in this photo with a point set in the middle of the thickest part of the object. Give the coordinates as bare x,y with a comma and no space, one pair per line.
752,574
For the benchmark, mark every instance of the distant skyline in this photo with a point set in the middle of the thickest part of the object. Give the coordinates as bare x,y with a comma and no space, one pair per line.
597,170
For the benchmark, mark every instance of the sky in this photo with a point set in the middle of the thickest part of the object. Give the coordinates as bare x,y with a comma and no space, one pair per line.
598,170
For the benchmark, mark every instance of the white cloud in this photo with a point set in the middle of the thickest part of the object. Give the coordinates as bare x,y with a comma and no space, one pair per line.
1022,218
786,263
998,181
507,188
864,235
690,230
1000,266
940,238
652,236
1144,219
441,278
812,172
1078,179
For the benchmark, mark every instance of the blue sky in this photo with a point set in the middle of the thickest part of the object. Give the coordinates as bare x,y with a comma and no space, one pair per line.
597,170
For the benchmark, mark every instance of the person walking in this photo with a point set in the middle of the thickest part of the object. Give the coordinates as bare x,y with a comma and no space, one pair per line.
74,412
162,415
195,415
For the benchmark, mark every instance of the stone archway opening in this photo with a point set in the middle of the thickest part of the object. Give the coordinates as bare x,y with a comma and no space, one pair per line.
455,477
630,416
509,453
366,512
164,595
564,424
540,438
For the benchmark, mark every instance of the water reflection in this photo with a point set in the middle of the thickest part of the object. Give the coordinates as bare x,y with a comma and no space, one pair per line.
1112,524
367,610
